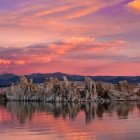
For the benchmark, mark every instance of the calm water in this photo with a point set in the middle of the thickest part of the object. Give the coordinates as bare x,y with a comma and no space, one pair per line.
46,121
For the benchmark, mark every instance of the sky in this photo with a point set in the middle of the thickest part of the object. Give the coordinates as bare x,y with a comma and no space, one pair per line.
91,37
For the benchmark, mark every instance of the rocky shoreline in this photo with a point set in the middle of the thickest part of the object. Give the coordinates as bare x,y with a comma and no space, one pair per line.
54,90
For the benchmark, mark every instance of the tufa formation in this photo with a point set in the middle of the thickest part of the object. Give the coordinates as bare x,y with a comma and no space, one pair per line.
54,90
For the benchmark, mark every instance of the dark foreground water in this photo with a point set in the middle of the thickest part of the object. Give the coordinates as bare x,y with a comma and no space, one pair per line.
47,121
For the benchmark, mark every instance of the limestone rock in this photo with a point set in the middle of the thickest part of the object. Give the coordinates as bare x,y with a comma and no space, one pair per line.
68,91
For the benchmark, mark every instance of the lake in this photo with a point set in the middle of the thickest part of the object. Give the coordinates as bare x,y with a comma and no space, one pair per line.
69,121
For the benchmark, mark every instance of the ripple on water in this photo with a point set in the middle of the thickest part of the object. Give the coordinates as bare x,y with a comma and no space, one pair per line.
69,121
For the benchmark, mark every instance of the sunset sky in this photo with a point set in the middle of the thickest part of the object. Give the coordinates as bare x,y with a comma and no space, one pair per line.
88,37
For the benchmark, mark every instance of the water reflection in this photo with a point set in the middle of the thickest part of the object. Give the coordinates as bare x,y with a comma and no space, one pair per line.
24,111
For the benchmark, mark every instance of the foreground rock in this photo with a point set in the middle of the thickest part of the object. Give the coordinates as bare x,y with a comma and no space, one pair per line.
57,91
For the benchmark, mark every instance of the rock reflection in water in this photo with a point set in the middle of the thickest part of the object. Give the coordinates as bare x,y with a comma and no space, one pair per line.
25,110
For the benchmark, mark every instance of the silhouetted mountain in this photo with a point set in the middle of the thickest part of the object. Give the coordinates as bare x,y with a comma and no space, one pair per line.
7,79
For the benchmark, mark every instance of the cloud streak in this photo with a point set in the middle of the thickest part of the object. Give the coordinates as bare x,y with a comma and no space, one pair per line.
77,52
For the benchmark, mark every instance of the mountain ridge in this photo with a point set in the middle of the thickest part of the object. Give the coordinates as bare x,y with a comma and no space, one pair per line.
7,79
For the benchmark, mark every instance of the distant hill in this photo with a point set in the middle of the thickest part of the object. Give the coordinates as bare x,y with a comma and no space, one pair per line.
7,79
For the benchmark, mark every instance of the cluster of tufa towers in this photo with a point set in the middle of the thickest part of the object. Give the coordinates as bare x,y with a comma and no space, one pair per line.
52,90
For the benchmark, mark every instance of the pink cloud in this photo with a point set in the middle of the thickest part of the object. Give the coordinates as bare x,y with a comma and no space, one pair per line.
69,36
77,55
